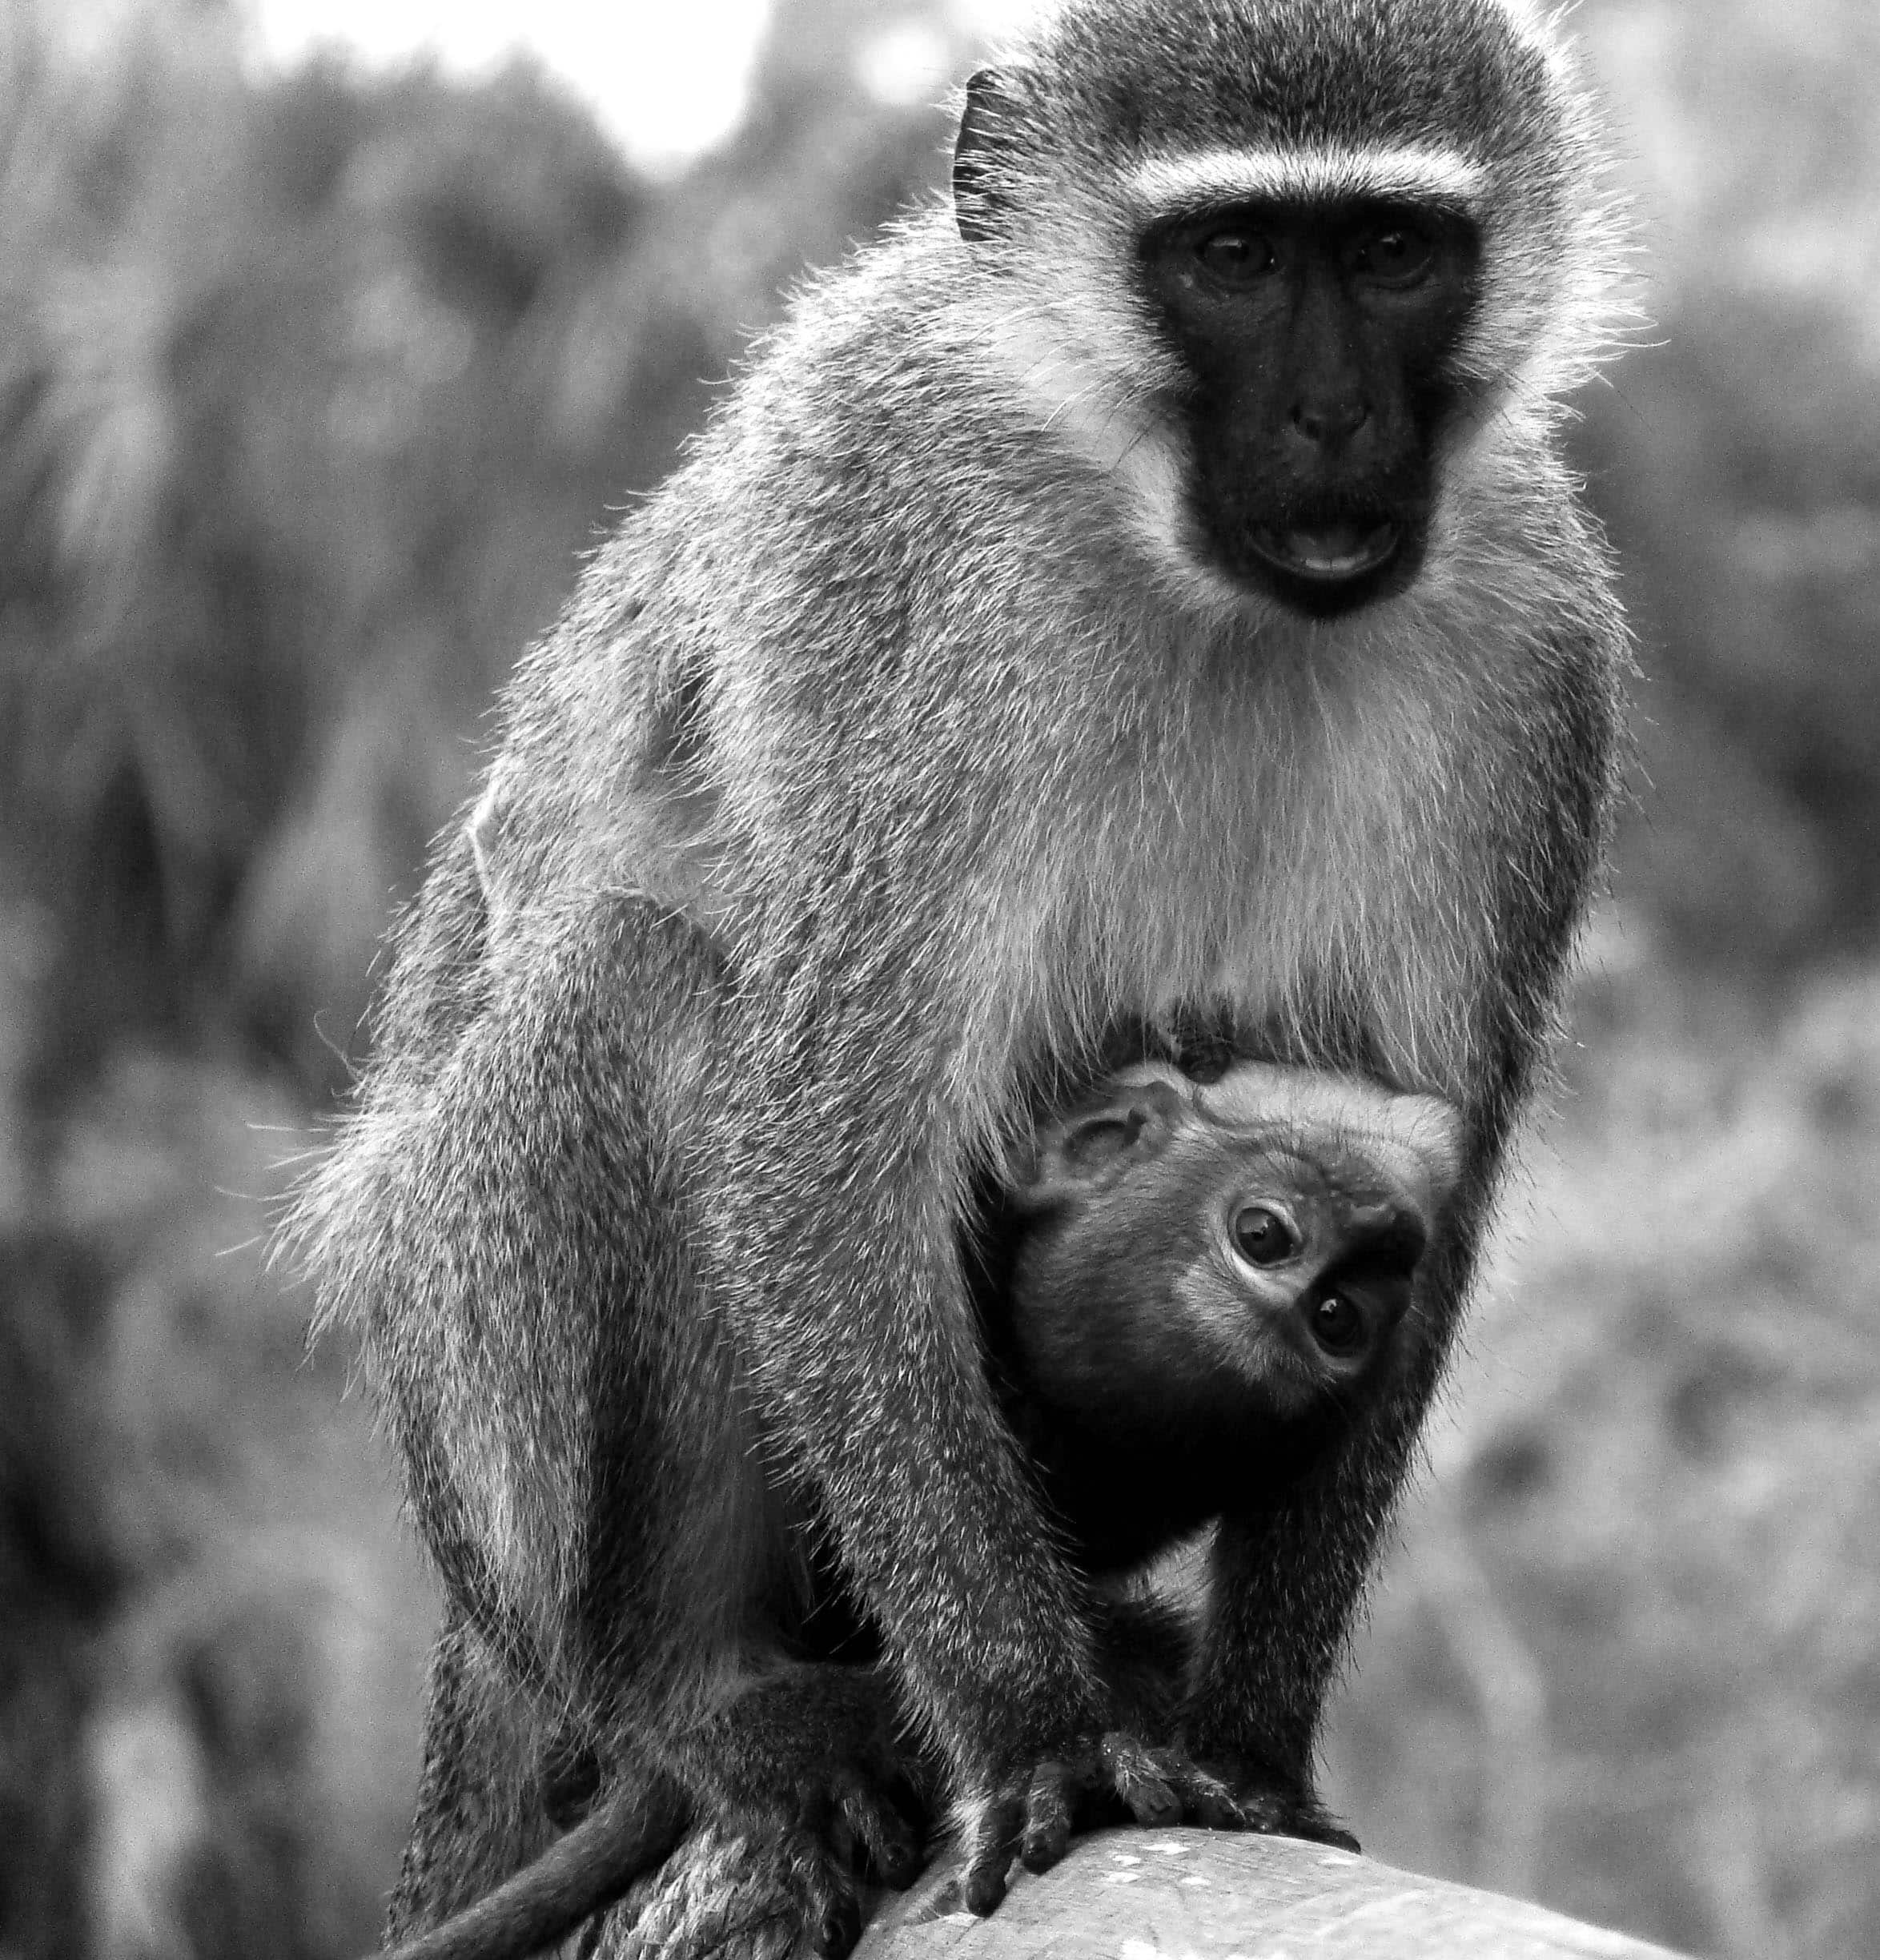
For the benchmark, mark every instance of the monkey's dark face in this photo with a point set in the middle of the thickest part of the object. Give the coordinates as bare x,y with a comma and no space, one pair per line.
1316,340
1215,1283
1212,1258
1210,1285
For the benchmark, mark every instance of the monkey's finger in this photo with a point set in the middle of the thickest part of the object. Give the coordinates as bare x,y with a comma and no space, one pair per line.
1266,1812
1309,1820
1281,1814
1047,1818
989,1857
1213,1809
878,1824
1136,1778
1205,1799
843,1839
838,1924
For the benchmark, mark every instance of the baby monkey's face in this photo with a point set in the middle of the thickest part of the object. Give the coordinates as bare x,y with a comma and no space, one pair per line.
1305,1252
1220,1253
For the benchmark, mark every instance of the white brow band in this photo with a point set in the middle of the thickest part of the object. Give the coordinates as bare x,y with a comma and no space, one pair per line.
1315,172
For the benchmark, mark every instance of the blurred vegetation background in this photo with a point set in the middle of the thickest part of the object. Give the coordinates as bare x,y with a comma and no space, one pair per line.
314,387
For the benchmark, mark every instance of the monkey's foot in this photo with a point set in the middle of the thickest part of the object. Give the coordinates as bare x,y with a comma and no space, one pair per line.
725,1895
1033,1813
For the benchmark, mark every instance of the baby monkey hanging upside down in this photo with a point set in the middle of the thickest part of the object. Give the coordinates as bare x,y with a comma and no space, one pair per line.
1187,1290
1194,1290
1206,1282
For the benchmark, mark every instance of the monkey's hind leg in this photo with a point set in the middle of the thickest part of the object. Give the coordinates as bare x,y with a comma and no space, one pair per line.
814,1776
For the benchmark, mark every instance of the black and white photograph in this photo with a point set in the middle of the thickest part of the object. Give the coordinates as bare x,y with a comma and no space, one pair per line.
939,979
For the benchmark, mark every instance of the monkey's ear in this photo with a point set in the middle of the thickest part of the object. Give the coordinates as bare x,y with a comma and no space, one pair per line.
1432,1131
1131,1122
977,193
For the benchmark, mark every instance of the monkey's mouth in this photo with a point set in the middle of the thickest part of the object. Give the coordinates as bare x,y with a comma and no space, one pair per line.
1328,555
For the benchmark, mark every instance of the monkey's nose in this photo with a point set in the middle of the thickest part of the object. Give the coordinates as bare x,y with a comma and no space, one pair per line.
1382,1249
1350,1314
1386,1241
1329,419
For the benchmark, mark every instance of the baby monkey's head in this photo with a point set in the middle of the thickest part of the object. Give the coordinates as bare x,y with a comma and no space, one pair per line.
1196,1256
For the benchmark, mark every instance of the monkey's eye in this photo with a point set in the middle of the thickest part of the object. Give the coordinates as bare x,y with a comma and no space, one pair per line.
1337,1325
1235,255
1393,254
1263,1237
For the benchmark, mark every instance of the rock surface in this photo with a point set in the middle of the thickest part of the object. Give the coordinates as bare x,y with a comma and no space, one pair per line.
1200,1895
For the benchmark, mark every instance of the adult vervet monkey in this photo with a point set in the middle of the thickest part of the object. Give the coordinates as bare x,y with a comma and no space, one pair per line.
1139,612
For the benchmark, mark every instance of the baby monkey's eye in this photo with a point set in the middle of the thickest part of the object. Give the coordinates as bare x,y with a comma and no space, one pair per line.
1263,1235
1337,1325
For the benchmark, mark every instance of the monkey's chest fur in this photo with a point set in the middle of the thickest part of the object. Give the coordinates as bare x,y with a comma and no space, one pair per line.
1267,873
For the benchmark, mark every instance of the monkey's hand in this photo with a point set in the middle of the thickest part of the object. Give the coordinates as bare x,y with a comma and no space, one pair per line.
1272,1803
1033,1812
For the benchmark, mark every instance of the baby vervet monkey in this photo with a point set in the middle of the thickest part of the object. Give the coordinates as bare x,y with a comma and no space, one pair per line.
1191,1289
1203,1285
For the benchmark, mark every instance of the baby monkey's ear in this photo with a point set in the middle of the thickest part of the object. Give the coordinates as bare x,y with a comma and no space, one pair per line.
1130,1121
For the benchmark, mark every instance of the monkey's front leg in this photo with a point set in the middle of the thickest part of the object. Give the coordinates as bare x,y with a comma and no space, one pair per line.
864,1354
1284,1585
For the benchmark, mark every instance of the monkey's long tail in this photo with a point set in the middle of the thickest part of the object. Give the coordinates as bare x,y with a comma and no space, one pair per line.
628,1833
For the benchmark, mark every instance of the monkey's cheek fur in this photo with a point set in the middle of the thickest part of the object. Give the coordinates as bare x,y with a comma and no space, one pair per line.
1282,1378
